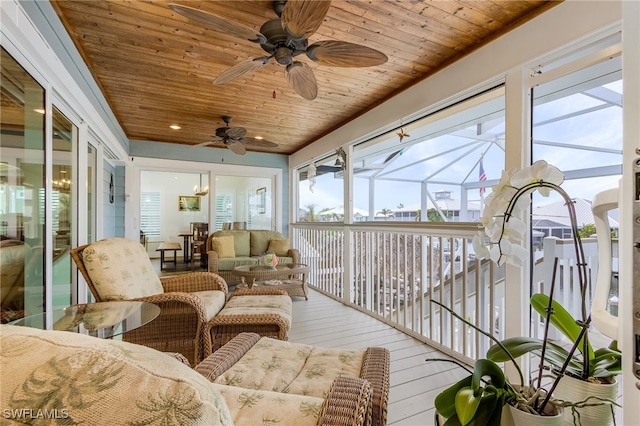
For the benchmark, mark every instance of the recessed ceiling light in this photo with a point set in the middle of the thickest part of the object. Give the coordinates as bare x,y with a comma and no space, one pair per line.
259,137
175,127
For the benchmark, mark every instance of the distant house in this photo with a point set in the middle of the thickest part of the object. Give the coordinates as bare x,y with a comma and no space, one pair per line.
553,219
448,206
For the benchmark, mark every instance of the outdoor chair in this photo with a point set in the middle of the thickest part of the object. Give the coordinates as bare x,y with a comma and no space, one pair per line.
257,364
120,269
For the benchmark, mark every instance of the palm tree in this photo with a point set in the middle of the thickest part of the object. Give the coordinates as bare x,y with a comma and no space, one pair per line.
311,213
385,212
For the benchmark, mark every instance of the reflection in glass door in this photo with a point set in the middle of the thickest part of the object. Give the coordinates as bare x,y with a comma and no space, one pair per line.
22,188
64,207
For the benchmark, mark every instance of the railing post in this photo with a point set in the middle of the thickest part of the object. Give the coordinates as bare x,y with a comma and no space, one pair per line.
348,295
550,250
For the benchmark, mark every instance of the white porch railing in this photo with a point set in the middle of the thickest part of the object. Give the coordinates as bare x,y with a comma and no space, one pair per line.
393,271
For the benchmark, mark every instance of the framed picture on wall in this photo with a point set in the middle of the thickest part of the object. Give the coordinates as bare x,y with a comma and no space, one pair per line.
262,200
188,203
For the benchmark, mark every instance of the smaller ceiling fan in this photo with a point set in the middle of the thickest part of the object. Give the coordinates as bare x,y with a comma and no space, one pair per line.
235,138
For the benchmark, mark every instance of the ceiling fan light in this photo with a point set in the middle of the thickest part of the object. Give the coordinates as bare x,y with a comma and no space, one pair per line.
283,56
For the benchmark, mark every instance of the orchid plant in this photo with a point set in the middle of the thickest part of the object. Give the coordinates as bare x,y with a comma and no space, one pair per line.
478,398
501,240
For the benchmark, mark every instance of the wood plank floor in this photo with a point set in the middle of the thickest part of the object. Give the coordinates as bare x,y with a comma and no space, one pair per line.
414,382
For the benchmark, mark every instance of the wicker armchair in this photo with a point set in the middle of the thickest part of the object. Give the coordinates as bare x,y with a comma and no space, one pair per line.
229,364
120,269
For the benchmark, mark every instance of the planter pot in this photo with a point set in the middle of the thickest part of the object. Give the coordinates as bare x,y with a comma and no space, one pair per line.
574,390
513,417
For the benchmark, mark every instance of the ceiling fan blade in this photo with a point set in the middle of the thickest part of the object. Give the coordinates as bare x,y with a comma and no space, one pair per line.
218,24
241,69
203,144
236,132
302,18
343,54
237,147
301,78
259,142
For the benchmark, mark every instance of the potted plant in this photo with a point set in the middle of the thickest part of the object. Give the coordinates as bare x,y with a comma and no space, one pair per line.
486,397
501,240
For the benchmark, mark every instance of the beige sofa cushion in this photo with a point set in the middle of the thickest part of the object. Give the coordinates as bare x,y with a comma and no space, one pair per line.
280,246
260,241
258,305
224,246
121,269
88,379
212,300
241,241
292,368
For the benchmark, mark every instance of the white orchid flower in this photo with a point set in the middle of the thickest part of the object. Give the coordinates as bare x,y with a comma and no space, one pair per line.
514,229
506,231
539,171
479,247
506,252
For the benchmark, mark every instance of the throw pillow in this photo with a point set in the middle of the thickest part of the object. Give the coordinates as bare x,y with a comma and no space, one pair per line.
280,246
224,246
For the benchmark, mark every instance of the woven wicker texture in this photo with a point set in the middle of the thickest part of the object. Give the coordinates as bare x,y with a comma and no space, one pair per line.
180,327
340,408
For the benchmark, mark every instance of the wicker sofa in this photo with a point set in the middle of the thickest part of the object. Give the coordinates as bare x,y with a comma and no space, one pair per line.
82,379
248,246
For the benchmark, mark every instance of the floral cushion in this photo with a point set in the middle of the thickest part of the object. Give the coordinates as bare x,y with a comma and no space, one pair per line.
259,305
254,407
121,269
84,379
292,368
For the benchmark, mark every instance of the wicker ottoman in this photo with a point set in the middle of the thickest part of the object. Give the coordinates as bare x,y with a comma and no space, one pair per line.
265,311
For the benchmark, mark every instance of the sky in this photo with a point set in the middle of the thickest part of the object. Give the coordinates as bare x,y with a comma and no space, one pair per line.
451,158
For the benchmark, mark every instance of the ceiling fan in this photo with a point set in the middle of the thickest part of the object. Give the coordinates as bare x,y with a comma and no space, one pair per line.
285,38
235,138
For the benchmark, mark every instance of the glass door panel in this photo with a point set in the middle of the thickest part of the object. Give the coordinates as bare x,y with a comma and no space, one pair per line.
22,189
63,207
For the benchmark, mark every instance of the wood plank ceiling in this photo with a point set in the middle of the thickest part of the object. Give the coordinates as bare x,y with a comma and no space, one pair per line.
156,67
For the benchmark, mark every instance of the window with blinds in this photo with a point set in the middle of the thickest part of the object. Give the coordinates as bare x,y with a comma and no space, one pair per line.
150,217
224,210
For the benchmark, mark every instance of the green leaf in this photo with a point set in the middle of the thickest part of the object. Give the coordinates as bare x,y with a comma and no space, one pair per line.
484,367
485,414
445,401
606,363
560,319
466,405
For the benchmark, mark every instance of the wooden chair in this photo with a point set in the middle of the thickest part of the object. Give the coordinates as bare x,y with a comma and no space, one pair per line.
120,269
200,234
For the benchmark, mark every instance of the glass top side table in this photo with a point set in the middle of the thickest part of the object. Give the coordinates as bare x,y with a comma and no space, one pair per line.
101,319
